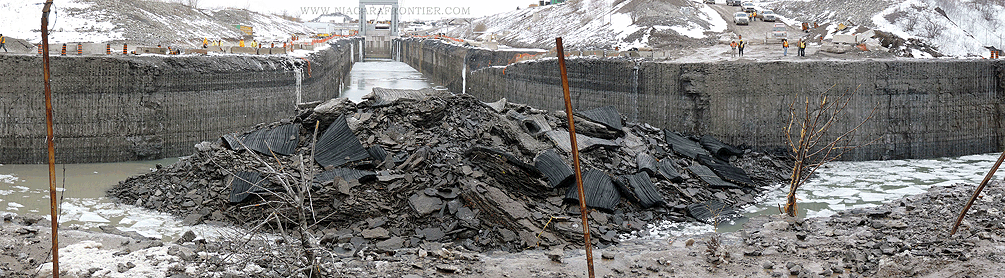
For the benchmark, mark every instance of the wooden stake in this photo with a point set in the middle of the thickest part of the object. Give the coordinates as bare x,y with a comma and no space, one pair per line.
575,155
976,193
49,139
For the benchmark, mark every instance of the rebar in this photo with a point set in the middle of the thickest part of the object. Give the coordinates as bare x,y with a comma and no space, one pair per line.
575,155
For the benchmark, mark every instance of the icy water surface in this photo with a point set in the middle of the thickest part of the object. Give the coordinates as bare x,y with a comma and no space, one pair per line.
843,185
24,188
384,73
839,186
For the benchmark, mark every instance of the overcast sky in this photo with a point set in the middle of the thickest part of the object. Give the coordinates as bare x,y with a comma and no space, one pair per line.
447,8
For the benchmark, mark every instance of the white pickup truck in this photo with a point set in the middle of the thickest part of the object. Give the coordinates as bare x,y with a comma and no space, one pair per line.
779,32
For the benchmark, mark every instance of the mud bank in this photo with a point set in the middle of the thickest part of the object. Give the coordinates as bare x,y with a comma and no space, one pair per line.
923,108
904,238
152,106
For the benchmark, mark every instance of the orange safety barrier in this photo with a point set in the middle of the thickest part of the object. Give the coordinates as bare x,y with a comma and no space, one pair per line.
40,49
125,48
80,49
108,49
994,54
63,53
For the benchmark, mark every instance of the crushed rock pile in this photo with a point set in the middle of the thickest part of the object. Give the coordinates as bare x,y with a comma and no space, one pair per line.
405,168
908,237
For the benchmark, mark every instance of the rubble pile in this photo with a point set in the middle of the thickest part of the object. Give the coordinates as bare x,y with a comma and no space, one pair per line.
907,237
406,168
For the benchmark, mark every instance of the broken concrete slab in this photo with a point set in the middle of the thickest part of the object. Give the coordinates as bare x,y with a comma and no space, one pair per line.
607,116
706,175
641,189
599,190
244,184
498,106
719,149
661,168
535,124
281,140
726,171
384,96
562,141
339,145
507,169
683,146
556,170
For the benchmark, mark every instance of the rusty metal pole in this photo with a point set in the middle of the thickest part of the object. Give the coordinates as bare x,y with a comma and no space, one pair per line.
575,155
977,192
49,139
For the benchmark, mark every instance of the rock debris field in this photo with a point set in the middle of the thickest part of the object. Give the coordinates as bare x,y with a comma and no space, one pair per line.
428,184
407,168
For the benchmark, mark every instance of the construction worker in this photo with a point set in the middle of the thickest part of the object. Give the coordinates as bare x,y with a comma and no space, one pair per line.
741,45
732,45
802,48
241,43
3,40
205,42
785,47
753,16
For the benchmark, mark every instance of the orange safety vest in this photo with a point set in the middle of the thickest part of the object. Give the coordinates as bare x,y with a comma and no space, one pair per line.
242,43
785,43
3,39
802,44
732,44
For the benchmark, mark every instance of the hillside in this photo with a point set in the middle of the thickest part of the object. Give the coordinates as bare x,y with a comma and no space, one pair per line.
144,22
919,28
953,27
601,24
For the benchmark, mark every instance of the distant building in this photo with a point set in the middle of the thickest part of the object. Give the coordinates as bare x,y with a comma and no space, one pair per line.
334,24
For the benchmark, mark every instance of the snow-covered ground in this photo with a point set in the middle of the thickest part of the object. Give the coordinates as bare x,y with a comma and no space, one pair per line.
143,22
955,28
600,24
23,19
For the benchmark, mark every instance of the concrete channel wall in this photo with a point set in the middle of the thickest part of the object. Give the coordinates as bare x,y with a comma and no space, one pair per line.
923,108
122,108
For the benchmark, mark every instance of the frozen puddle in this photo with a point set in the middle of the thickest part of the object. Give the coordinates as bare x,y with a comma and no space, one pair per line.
24,189
844,185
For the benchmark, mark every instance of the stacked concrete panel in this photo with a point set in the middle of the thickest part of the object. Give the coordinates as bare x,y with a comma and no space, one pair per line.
243,50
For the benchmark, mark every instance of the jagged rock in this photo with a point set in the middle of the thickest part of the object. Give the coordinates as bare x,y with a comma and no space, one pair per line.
424,204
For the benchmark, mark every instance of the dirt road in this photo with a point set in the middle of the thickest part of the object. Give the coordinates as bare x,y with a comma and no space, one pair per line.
756,31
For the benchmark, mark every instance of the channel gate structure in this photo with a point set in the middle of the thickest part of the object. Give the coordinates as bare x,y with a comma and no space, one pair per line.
924,108
123,108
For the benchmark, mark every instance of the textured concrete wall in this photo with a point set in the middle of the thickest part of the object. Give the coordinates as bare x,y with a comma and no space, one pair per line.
120,108
444,63
923,108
